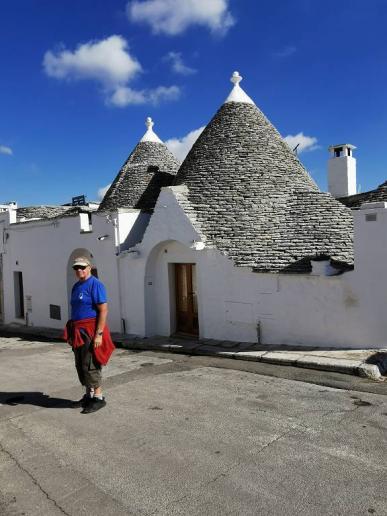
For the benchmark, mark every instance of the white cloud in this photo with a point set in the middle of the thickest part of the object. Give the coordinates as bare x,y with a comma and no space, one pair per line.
102,191
6,150
177,64
305,143
286,51
125,96
181,146
175,16
163,93
108,62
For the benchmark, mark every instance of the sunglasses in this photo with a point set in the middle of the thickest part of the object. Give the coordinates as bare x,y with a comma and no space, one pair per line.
80,267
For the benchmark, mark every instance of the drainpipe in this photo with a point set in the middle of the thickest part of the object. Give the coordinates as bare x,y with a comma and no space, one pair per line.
259,332
118,270
116,236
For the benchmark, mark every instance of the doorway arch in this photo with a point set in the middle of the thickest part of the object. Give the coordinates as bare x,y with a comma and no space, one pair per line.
160,285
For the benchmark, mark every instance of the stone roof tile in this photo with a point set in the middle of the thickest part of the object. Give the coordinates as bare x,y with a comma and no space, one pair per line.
356,200
26,213
148,168
253,199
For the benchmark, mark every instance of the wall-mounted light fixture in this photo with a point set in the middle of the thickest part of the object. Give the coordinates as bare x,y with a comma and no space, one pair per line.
102,237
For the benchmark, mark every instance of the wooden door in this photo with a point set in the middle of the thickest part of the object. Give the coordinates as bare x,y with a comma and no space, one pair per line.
187,320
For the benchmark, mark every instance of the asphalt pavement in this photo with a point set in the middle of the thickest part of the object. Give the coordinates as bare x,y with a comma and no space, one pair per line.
187,435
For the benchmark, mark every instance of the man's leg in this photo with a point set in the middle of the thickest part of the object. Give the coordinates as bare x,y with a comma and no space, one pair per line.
79,365
93,379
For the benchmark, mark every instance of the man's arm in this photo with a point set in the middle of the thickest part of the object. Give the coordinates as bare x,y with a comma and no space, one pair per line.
102,309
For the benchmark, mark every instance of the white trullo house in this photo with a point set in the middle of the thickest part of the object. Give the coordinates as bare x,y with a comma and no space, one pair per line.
236,243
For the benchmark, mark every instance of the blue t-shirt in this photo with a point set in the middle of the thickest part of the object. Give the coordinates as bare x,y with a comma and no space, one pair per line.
85,296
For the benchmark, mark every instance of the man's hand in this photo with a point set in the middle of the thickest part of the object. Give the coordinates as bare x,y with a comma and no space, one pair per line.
97,341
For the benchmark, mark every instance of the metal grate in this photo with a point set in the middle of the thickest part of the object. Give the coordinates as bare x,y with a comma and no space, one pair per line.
55,312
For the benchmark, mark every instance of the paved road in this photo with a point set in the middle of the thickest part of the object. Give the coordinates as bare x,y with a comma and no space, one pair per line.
187,436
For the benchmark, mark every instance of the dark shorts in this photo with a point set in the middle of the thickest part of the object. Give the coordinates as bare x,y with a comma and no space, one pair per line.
88,369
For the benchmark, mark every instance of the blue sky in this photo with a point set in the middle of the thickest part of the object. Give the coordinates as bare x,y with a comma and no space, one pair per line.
78,79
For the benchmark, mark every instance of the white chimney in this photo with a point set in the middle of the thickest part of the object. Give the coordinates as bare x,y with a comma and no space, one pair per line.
342,170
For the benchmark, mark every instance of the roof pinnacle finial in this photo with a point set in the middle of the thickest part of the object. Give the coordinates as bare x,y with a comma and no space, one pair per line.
149,123
237,94
150,135
236,78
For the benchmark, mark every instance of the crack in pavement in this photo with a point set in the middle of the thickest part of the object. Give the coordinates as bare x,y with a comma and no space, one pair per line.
34,480
87,481
223,474
220,475
273,441
348,412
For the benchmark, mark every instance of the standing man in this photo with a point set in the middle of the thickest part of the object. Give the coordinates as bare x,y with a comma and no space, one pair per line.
88,334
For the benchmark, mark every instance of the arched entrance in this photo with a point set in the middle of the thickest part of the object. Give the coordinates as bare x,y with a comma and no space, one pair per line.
171,293
187,319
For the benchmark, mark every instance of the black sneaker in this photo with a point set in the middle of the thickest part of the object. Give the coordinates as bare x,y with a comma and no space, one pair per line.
82,403
94,405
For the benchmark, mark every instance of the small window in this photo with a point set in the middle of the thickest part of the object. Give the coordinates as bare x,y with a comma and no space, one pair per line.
19,294
85,222
337,153
370,217
55,312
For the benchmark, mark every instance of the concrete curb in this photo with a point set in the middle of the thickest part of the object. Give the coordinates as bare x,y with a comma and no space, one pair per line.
373,367
373,371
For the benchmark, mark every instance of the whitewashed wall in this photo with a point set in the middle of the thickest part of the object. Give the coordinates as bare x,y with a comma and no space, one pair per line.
42,251
370,280
291,309
345,310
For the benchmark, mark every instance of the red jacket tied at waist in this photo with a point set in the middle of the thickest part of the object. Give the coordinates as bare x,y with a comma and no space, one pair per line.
72,334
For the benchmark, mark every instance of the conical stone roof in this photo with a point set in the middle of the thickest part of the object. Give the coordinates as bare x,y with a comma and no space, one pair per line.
254,200
148,168
356,200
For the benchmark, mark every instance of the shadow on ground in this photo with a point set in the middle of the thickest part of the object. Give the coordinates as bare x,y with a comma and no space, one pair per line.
31,337
38,399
